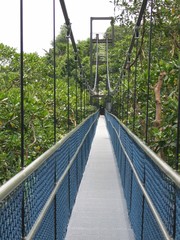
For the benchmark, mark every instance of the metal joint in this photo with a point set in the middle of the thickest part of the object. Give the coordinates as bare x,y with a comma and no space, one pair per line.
69,30
128,58
136,30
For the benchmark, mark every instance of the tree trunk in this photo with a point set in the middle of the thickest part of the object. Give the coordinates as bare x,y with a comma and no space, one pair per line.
157,91
157,121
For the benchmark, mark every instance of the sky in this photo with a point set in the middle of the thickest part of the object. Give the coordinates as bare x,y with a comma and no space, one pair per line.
38,21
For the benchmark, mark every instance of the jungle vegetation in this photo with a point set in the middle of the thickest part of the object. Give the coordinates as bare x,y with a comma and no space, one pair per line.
129,103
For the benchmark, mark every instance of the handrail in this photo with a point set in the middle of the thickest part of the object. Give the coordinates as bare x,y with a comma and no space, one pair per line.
164,173
15,181
58,184
174,176
146,195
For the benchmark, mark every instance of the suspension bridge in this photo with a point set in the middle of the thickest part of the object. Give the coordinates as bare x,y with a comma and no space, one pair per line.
98,182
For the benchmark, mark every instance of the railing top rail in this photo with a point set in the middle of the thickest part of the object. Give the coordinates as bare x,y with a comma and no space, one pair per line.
142,187
174,176
15,181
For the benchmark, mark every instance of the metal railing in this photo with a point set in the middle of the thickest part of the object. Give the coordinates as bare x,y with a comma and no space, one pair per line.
37,202
151,187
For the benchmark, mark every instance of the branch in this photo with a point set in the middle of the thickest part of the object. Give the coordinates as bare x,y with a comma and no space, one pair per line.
34,135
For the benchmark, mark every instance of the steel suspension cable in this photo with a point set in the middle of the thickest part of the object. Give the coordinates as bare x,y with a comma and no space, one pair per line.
81,101
68,23
54,76
123,96
107,68
71,36
135,81
128,90
22,111
119,105
133,40
84,101
149,70
22,82
178,125
83,94
120,99
68,77
54,67
76,88
96,74
68,102
177,148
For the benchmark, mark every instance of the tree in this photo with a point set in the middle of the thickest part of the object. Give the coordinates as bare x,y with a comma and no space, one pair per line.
164,69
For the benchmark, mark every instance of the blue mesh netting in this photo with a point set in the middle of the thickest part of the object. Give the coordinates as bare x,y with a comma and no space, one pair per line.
38,187
139,162
62,209
62,159
83,157
10,216
136,211
73,184
161,189
128,185
79,167
150,227
72,145
177,215
46,230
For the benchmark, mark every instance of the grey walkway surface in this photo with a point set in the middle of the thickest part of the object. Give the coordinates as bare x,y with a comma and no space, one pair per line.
100,211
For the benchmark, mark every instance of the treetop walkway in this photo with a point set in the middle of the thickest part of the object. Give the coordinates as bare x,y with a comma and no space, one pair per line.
100,181
100,211
38,202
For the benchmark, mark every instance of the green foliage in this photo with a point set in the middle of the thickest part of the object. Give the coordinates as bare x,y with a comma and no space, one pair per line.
38,105
164,58
39,87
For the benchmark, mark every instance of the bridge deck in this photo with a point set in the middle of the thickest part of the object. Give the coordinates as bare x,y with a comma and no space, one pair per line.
100,211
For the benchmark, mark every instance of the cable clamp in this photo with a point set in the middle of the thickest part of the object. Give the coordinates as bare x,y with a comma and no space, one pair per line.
68,27
136,30
128,57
